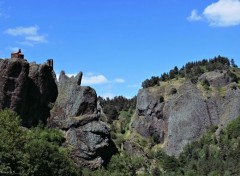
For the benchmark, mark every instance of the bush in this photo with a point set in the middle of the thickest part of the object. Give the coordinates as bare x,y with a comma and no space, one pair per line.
206,84
161,99
36,151
154,81
173,91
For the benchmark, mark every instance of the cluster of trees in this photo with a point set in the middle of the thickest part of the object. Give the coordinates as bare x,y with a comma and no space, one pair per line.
113,107
36,151
211,155
192,70
123,164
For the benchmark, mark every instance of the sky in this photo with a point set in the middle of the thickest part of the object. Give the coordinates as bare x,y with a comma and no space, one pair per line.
117,44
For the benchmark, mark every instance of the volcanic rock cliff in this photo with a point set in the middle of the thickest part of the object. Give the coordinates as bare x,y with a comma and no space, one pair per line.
32,90
75,113
27,88
177,117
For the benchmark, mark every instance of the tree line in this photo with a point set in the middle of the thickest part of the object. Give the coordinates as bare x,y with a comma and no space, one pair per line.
191,70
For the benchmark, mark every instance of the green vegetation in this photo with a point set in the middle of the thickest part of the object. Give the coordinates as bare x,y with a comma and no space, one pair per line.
124,164
211,155
206,84
35,151
113,107
192,70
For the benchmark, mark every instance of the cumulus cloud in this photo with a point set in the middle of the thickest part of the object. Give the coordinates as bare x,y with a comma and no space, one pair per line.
94,79
30,34
222,13
194,16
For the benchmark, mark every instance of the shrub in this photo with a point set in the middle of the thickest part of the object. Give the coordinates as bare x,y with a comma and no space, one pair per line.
206,84
173,91
161,99
35,151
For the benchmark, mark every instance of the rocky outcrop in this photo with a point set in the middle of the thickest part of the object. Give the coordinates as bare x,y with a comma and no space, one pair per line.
75,113
177,119
216,78
27,88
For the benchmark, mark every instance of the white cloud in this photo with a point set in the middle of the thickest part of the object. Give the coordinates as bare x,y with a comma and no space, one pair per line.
71,75
223,13
30,34
194,16
94,79
23,31
37,38
119,80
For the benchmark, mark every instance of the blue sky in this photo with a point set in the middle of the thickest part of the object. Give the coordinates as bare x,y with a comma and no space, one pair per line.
119,43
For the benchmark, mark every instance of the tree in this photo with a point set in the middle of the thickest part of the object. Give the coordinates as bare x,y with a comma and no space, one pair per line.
176,70
172,74
233,63
35,151
11,143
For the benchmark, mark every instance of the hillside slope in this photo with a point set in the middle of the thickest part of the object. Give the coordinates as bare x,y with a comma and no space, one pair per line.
180,110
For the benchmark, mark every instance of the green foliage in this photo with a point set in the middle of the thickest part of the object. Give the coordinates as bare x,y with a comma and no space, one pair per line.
206,84
233,129
233,77
173,91
12,157
113,107
36,151
233,63
213,155
161,99
154,81
192,70
121,165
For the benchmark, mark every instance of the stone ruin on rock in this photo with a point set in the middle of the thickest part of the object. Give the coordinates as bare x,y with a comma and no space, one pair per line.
27,88
33,92
18,54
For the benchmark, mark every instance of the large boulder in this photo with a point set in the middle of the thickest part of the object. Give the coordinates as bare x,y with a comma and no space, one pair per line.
183,116
75,113
27,88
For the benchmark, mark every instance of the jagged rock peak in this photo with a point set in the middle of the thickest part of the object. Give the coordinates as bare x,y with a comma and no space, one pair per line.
63,78
27,88
178,118
75,113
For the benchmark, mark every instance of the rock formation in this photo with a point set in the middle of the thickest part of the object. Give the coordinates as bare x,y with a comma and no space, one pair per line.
75,113
177,119
27,88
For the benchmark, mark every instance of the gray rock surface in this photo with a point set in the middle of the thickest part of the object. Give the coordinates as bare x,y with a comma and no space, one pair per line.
28,89
216,78
75,113
186,115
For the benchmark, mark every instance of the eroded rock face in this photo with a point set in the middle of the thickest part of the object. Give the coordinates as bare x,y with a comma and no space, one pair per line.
186,115
75,113
216,78
28,89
